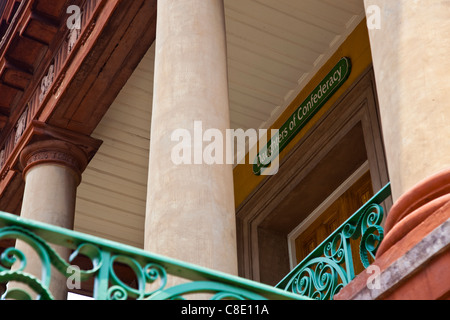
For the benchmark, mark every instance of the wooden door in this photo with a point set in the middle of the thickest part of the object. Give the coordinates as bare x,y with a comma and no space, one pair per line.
335,215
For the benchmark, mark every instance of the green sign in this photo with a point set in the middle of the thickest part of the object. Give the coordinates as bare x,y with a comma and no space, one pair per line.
318,97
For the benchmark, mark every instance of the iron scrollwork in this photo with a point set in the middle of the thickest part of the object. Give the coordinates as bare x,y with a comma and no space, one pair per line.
150,272
330,267
13,262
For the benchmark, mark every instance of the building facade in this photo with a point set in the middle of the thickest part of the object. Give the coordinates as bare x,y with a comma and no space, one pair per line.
148,123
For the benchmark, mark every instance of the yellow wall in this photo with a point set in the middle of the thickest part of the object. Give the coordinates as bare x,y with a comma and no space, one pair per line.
357,48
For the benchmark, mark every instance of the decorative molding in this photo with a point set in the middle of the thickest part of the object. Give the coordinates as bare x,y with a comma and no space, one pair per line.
46,82
2,159
50,82
39,138
88,32
413,207
72,38
58,83
5,173
42,131
54,152
21,126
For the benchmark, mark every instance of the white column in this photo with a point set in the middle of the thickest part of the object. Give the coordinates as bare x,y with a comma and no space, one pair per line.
190,208
410,56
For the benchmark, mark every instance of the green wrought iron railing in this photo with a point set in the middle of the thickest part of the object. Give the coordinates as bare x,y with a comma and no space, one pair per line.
330,267
151,272
321,275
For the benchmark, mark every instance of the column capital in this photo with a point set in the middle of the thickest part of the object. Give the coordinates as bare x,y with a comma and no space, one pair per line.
53,145
55,152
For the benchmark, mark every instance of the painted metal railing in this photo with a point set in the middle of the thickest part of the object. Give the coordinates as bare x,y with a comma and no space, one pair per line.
330,267
151,272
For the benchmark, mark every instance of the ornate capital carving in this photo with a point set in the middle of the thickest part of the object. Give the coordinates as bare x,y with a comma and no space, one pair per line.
54,152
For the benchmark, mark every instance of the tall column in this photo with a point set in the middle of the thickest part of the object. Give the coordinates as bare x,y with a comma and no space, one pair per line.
413,83
52,172
412,76
190,208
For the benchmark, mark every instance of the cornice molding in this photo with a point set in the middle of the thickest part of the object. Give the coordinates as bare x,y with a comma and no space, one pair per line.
48,144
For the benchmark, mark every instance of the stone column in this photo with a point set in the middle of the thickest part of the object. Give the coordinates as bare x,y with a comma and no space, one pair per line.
52,172
412,76
413,84
190,207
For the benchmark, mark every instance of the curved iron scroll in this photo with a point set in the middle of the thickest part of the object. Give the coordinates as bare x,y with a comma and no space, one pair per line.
326,270
47,256
150,271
